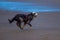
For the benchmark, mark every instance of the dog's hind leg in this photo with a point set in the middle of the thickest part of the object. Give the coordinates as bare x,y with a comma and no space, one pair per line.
19,25
10,21
24,24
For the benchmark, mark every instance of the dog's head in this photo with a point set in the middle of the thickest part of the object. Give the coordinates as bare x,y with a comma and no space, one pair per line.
35,14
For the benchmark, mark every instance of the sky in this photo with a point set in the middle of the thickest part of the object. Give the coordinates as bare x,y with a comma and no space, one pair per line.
31,5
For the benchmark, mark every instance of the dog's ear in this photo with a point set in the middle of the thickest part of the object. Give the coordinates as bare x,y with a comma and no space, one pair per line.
31,13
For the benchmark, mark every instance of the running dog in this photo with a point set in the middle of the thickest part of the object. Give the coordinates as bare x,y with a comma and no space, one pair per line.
19,18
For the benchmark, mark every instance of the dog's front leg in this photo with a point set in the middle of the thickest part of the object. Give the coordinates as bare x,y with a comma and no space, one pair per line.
30,25
28,22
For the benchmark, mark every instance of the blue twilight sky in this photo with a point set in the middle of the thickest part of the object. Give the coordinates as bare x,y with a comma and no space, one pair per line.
30,6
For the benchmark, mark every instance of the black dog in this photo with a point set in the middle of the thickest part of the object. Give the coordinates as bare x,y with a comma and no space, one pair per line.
19,18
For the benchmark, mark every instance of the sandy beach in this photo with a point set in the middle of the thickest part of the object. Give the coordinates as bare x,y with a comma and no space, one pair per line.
45,27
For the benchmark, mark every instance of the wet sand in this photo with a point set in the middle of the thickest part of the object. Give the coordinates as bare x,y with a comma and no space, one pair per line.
45,27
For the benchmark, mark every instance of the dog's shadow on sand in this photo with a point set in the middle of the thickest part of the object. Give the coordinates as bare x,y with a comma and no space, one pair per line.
25,30
18,31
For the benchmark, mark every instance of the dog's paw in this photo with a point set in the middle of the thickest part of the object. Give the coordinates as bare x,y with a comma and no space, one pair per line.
9,20
30,28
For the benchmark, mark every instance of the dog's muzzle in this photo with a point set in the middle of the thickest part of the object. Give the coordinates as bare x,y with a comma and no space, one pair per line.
35,14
